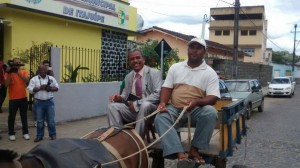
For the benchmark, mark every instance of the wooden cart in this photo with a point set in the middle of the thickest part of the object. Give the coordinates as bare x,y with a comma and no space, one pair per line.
229,130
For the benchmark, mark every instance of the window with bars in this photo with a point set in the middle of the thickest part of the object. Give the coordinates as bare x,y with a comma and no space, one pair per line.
252,32
226,32
250,51
244,32
218,32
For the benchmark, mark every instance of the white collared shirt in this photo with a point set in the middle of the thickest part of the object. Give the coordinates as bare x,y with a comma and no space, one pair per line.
37,81
190,83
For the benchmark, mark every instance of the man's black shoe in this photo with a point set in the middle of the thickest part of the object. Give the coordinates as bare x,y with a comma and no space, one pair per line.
53,137
37,139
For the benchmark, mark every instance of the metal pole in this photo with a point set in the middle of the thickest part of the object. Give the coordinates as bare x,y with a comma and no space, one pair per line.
235,39
162,58
294,48
205,20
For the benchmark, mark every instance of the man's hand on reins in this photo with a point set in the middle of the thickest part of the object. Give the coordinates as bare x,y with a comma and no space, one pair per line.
192,103
162,107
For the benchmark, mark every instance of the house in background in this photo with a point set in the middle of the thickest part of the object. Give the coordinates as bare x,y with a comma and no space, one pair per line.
252,30
216,52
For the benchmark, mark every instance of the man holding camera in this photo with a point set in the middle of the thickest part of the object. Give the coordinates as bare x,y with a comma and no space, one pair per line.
15,80
43,86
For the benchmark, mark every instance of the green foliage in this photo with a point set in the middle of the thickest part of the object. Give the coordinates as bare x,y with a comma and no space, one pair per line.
90,78
73,73
153,59
34,55
282,57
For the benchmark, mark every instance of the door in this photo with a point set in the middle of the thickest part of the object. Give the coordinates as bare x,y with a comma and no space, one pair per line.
1,41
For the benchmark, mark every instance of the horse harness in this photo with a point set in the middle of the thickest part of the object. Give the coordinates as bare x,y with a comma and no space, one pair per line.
111,132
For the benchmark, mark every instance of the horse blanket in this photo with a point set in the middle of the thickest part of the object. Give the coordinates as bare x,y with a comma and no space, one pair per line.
73,153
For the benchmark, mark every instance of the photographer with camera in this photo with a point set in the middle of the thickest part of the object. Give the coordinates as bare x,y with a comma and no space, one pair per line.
43,86
16,79
49,72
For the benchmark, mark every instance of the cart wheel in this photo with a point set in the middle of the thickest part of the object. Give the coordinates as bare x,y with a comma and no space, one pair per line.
220,162
158,159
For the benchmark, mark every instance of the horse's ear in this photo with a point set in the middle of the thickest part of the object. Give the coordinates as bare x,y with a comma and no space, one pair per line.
7,155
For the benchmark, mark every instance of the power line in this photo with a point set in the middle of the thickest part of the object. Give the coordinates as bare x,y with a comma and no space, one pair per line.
227,2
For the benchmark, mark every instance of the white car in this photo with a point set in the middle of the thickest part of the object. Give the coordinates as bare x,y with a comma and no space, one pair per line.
281,86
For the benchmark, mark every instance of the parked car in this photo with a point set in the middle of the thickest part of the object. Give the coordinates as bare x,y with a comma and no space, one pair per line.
224,92
248,89
281,86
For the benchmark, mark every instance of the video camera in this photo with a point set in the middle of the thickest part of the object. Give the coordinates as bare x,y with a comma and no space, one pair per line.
11,67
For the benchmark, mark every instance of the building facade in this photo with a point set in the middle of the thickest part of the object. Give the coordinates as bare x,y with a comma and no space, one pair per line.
99,24
252,30
179,41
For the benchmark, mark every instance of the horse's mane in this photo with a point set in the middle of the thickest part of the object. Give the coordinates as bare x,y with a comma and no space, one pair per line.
7,155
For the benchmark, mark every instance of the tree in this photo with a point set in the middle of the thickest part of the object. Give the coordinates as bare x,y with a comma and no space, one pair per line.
282,57
34,55
153,59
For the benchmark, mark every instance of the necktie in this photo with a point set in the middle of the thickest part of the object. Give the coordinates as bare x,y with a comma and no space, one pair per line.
138,85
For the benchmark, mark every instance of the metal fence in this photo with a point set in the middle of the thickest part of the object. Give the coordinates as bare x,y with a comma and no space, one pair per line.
80,64
37,54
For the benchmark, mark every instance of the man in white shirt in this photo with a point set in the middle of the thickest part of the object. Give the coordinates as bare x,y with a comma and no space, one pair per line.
43,86
192,84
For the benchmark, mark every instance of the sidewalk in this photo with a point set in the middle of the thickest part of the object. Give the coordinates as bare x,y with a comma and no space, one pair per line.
72,129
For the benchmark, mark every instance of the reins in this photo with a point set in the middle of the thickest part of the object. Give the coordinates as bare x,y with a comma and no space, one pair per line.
176,122
145,118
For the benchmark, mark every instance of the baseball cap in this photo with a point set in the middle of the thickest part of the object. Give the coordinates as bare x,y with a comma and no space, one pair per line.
198,40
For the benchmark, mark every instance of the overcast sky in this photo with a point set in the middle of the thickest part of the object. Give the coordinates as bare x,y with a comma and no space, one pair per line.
186,16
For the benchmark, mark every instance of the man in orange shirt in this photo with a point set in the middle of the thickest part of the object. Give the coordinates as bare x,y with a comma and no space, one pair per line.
15,80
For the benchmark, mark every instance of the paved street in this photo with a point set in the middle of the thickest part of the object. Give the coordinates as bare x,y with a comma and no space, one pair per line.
273,138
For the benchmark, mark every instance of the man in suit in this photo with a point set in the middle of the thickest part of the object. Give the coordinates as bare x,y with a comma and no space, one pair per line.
143,82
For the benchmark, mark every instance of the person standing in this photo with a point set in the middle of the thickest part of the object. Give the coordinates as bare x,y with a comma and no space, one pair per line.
192,84
3,88
49,68
143,82
43,86
16,79
49,72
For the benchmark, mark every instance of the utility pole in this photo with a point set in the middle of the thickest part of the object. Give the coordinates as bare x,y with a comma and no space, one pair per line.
205,20
294,54
235,39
